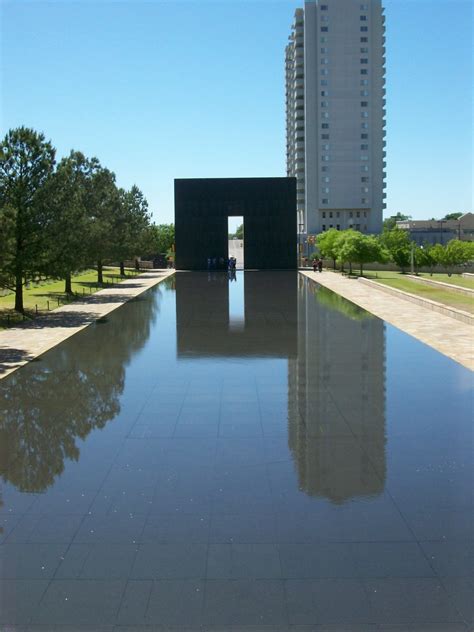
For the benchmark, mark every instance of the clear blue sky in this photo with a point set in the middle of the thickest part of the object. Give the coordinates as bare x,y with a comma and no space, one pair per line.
158,90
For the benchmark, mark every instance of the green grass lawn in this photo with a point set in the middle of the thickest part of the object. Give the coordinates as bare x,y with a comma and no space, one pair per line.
445,296
50,294
454,279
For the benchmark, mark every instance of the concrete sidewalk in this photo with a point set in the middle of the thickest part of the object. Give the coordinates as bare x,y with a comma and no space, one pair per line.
448,336
20,345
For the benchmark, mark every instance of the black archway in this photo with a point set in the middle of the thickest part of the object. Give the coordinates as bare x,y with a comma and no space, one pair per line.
268,206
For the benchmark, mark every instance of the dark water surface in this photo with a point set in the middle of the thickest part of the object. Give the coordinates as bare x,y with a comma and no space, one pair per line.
257,454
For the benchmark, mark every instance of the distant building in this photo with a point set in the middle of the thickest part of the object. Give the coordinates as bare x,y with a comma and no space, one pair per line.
335,114
440,231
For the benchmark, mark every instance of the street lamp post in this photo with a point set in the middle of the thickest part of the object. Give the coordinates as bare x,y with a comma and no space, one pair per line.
301,226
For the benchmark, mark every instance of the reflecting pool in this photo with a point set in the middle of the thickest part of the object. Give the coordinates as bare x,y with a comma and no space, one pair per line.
248,453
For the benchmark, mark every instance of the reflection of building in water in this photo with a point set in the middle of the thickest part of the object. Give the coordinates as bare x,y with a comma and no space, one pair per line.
268,314
337,397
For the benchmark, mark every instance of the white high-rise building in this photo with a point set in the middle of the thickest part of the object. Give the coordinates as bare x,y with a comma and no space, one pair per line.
335,114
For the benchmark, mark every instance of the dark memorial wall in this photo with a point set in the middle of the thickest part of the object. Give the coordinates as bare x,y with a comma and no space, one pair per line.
268,206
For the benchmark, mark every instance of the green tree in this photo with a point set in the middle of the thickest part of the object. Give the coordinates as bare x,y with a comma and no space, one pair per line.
453,215
160,238
239,233
398,245
68,229
389,223
354,247
102,202
455,253
26,163
130,225
326,244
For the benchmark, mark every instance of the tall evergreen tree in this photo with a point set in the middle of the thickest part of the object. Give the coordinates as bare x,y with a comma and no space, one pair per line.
26,163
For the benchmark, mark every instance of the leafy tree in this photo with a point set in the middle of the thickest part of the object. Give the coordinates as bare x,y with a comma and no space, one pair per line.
102,201
389,223
453,215
160,238
354,247
455,253
326,244
7,243
130,225
68,231
26,163
239,233
398,245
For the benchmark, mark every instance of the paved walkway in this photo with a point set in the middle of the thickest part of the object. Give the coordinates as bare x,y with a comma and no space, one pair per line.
452,338
20,345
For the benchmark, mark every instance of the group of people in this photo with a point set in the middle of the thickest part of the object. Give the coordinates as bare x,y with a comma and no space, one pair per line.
219,263
317,265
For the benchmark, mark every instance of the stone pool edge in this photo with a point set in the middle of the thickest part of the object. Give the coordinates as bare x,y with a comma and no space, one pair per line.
21,345
452,338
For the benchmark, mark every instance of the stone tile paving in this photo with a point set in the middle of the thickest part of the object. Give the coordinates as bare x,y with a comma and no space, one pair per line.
20,345
452,338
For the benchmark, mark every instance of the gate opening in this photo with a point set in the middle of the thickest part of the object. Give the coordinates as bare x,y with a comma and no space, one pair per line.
236,241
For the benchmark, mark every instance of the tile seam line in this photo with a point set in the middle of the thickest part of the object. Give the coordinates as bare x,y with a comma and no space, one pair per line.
78,329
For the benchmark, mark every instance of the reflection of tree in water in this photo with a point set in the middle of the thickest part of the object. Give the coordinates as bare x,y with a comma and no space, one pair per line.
70,391
338,303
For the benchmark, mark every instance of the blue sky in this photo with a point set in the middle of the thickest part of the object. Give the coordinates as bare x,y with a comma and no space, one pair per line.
158,90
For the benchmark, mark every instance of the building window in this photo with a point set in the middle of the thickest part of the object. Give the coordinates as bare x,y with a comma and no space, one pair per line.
324,82
363,18
324,60
364,60
364,136
330,213
325,201
325,115
326,147
357,226
324,93
364,158
365,226
351,214
324,50
324,214
364,104
325,158
364,189
364,168
324,71
325,169
324,18
364,82
324,136
358,214
363,29
324,29
324,7
364,49
364,93
364,114
325,125
364,40
326,190
338,214
364,125
365,215
338,226
326,179
364,179
324,104
323,39
364,200
324,227
364,7
363,71
364,147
